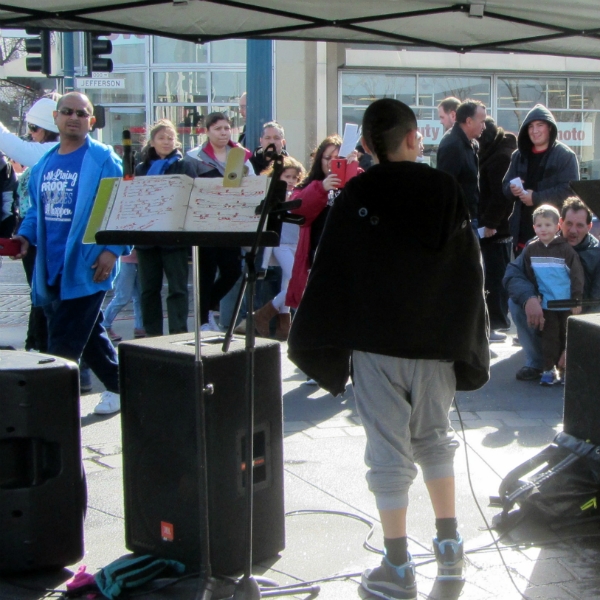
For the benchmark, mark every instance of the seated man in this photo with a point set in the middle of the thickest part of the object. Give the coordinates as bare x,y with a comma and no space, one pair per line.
525,305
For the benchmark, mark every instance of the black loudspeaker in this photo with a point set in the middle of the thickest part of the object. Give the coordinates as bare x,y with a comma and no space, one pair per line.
42,484
582,385
160,464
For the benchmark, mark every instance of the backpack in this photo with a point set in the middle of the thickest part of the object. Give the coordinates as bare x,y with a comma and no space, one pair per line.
565,484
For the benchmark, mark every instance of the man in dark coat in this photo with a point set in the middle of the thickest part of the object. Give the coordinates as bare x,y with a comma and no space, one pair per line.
457,153
495,149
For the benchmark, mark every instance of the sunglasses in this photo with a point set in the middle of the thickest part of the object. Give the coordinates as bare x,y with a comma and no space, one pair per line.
33,128
82,114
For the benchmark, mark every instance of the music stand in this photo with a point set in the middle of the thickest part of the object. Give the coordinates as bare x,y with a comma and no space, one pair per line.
272,206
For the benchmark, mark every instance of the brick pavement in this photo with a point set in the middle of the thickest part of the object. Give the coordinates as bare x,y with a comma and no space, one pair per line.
505,423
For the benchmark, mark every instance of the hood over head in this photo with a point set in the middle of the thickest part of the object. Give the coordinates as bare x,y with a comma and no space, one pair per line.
538,113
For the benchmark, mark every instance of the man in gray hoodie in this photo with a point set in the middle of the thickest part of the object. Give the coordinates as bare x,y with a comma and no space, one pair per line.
544,165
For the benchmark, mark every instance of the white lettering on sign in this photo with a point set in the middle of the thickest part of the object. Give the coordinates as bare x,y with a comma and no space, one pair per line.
576,134
91,83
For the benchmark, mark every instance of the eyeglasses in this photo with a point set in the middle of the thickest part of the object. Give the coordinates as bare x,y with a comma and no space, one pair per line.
33,128
82,114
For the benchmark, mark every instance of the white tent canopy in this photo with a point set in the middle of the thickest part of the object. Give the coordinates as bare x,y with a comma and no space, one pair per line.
556,27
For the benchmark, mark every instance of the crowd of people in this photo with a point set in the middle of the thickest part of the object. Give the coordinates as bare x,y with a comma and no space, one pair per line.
513,184
405,305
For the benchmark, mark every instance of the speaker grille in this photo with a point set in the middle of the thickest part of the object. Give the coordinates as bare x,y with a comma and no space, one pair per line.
160,450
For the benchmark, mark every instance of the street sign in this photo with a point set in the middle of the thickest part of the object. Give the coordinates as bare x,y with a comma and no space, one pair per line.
94,83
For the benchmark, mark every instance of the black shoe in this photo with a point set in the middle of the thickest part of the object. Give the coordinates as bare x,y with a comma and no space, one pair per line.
496,336
393,583
449,555
528,374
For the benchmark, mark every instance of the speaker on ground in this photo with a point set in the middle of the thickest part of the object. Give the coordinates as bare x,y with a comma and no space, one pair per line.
160,464
42,484
582,385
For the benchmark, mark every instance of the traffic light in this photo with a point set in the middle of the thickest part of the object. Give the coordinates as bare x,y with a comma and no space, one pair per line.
38,45
95,47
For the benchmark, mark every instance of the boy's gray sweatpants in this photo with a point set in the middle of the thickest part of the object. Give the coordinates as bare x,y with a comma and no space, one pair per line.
403,404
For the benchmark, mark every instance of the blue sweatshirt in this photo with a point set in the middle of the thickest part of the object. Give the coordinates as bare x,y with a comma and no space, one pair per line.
77,277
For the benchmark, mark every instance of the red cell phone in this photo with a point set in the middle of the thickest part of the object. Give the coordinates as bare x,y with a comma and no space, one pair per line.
338,167
9,247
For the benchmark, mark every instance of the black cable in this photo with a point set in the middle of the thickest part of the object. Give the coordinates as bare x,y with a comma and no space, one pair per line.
366,545
495,542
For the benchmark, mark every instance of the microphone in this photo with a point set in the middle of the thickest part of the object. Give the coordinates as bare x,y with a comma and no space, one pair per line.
127,155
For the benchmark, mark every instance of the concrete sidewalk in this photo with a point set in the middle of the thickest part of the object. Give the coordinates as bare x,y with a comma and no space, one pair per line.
505,423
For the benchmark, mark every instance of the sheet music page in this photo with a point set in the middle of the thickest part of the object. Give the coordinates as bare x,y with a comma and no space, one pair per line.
217,208
150,203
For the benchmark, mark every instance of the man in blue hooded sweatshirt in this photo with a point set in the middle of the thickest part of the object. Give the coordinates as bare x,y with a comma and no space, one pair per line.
71,278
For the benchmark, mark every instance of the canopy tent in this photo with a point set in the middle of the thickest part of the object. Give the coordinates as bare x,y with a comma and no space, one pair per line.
556,27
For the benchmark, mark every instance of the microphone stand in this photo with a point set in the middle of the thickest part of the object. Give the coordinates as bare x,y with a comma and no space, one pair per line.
272,210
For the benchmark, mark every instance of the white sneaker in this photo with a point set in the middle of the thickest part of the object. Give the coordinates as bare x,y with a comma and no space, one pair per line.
205,327
311,382
109,403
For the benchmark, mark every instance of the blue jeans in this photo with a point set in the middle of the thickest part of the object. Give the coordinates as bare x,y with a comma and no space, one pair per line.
530,338
75,332
127,287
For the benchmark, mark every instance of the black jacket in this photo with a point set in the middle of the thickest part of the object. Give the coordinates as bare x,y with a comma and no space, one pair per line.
397,272
559,167
494,206
457,155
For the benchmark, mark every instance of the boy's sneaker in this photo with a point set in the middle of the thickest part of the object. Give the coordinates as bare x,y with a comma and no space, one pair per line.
549,378
113,335
109,403
388,581
449,555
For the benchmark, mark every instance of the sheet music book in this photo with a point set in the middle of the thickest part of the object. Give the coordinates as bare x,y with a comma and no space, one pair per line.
172,203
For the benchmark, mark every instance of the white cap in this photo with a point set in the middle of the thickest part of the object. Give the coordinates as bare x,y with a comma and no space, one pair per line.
41,114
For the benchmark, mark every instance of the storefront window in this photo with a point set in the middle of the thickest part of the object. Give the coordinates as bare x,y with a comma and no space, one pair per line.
128,49
423,93
181,86
228,86
432,89
519,93
134,90
228,51
584,94
362,89
168,51
120,118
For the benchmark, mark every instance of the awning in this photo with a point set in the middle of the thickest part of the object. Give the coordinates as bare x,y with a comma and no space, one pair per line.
557,27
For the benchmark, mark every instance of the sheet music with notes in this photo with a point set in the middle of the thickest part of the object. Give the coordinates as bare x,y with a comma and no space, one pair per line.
176,203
